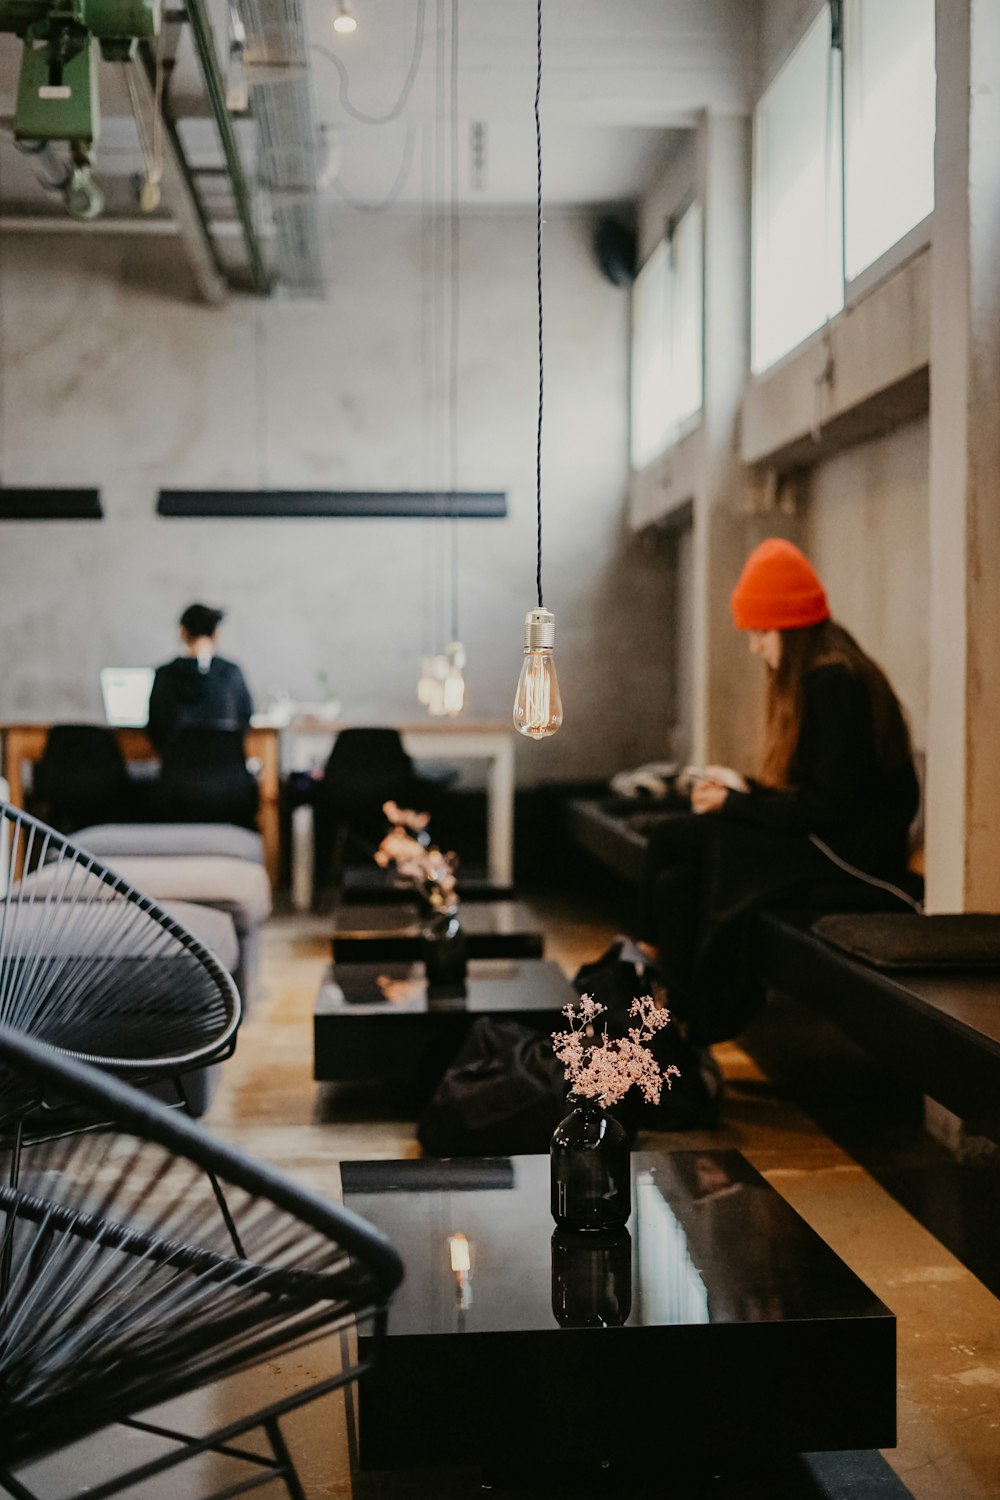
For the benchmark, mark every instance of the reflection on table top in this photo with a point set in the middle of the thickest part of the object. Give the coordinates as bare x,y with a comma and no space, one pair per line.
710,1242
388,989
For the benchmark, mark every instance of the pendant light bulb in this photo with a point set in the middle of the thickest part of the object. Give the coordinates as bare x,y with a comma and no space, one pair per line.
537,706
454,682
344,22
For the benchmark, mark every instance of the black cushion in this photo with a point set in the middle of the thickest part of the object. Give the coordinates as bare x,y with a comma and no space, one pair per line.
900,941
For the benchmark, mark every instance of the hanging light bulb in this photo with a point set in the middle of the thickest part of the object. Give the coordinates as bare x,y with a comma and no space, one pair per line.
343,21
454,682
538,706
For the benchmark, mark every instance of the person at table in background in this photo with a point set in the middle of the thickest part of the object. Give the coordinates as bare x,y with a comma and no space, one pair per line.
836,787
198,690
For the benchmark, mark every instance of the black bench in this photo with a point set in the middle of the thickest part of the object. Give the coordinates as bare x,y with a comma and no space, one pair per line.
615,832
939,1031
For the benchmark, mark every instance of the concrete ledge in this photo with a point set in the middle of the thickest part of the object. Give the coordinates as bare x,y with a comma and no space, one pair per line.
864,374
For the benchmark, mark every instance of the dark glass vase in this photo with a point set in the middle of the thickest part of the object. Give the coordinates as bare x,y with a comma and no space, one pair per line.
592,1278
591,1170
444,950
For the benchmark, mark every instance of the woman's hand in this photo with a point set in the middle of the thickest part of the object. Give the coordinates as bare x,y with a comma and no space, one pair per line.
727,777
710,794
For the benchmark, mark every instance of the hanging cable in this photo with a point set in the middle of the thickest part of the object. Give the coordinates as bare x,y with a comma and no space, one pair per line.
151,144
454,269
538,271
3,341
400,104
397,187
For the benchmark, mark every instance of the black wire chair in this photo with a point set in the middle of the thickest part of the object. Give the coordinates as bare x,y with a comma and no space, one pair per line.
90,965
124,1291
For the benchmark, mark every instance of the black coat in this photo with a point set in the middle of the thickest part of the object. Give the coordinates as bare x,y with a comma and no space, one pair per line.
185,697
708,875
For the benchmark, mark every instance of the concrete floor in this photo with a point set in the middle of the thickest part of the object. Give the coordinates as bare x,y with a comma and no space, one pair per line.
948,1323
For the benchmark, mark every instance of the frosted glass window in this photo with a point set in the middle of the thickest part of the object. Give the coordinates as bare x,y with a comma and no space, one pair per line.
651,425
684,317
667,340
797,275
889,89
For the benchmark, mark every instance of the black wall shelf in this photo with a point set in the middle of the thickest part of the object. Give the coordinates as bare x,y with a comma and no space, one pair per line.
296,504
50,505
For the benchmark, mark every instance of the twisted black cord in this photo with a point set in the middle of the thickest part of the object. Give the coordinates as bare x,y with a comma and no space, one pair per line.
538,262
453,363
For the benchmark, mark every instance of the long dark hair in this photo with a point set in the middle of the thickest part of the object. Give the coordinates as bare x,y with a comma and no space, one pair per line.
802,651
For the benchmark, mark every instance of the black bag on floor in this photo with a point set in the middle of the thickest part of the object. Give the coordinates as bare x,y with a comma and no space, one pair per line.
504,1094
623,974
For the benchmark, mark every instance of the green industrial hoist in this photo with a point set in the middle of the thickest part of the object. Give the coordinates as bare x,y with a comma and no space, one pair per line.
57,95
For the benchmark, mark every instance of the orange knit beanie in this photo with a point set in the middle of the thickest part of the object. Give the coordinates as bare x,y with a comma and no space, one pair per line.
778,589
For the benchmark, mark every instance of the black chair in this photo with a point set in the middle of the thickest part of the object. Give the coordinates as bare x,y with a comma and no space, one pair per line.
122,1291
204,779
81,778
366,768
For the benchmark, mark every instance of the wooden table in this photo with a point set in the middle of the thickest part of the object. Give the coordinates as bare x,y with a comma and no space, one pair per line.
23,744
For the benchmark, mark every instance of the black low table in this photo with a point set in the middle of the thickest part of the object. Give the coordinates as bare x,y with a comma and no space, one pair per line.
387,933
367,885
717,1324
377,1022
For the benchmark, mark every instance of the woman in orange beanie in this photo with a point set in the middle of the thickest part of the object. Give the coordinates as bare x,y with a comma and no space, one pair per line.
836,788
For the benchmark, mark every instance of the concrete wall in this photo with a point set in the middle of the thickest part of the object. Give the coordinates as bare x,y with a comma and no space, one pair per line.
114,377
865,528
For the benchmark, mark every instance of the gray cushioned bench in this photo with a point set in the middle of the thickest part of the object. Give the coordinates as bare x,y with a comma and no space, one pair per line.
939,1031
211,865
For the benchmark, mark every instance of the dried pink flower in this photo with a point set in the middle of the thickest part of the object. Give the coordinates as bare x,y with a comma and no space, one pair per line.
405,817
607,1069
421,863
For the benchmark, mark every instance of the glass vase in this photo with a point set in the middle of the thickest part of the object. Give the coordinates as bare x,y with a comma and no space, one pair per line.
591,1168
444,950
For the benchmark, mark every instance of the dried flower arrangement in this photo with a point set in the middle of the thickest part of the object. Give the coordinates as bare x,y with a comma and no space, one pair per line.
407,845
605,1070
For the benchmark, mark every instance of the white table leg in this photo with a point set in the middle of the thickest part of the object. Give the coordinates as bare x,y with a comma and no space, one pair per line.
500,815
303,854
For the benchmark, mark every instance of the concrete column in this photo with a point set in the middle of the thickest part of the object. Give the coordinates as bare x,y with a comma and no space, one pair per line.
724,688
963,752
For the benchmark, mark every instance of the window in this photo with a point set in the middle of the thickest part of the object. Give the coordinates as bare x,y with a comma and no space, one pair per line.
684,316
797,282
817,227
650,379
889,100
667,341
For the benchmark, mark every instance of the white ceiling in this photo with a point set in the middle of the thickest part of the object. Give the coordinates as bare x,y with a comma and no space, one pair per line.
618,77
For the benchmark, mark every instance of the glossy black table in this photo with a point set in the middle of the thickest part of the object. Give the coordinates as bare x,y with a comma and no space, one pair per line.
377,1022
717,1324
367,885
384,932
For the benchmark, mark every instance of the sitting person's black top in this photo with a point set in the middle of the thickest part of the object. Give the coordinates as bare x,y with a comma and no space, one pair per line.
708,875
185,696
838,789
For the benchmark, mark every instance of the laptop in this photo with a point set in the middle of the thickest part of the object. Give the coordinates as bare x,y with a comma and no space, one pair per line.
126,691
